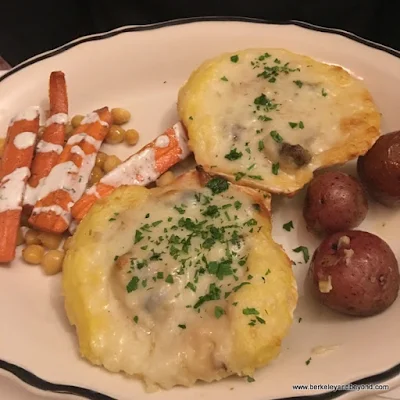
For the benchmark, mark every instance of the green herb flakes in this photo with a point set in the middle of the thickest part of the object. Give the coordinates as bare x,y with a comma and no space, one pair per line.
217,185
288,226
224,78
218,312
304,250
133,284
275,168
233,155
235,58
250,311
298,83
239,176
276,136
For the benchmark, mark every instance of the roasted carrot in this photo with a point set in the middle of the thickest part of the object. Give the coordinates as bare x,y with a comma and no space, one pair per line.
140,169
51,144
68,179
14,173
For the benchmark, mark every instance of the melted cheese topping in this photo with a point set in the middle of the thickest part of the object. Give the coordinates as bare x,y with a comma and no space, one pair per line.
266,116
190,248
179,284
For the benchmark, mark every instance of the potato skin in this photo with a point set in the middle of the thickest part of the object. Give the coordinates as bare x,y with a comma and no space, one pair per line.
379,170
362,272
334,202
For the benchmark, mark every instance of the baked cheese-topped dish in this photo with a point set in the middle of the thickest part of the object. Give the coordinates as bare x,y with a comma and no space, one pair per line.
268,118
181,283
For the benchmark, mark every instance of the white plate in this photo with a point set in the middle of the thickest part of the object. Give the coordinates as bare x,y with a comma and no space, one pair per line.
141,68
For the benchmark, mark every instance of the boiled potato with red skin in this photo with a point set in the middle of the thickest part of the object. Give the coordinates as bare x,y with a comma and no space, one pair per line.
355,273
379,170
334,202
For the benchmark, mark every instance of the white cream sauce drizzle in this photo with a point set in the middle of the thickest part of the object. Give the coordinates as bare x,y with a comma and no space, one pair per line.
29,114
162,141
12,188
24,140
60,118
79,137
47,147
180,134
93,117
142,163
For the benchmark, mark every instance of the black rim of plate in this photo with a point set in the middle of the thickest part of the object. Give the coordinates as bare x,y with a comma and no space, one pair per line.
31,379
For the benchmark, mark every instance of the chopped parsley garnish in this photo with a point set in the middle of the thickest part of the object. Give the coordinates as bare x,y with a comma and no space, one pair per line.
276,136
218,312
138,236
179,209
261,145
147,215
293,124
260,320
136,319
214,293
169,279
160,275
237,204
133,284
304,250
191,286
224,78
233,155
156,223
211,211
235,58
267,272
308,361
220,269
301,125
155,256
256,177
288,226
251,222
217,185
264,118
182,326
277,61
250,311
298,83
275,168
116,258
251,167
239,176
191,118
250,379
324,92
261,100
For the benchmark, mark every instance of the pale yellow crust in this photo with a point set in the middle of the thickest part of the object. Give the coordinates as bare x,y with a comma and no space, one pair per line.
87,294
359,123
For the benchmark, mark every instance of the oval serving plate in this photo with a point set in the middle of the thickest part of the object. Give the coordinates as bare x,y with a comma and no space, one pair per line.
141,69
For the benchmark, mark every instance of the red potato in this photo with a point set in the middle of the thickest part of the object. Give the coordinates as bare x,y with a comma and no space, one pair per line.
355,273
379,170
334,202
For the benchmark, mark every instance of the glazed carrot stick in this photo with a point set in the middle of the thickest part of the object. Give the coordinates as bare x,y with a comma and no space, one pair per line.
68,179
140,169
52,142
14,173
